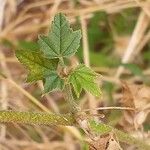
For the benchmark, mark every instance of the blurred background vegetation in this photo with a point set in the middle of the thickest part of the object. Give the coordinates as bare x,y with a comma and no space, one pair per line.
115,43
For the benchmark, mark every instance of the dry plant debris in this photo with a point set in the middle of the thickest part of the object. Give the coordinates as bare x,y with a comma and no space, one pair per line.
106,142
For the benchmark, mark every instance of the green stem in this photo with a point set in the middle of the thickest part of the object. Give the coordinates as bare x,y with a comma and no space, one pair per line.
39,118
102,128
68,93
74,108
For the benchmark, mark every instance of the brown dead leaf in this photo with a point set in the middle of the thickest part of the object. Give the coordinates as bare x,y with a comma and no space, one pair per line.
142,97
105,142
138,97
127,101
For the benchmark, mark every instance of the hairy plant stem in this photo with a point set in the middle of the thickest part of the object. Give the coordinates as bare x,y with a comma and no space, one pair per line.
74,108
38,118
42,118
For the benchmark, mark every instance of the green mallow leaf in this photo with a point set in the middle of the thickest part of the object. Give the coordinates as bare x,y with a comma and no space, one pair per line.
83,77
61,41
53,82
38,66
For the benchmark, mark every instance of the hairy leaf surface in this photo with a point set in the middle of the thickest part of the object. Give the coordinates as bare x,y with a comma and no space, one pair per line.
83,77
38,66
53,82
61,41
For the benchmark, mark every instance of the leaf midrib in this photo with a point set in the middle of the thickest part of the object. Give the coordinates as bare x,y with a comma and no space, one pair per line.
47,43
69,45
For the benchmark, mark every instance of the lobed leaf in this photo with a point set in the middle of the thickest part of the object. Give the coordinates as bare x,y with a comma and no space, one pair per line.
83,77
61,41
38,66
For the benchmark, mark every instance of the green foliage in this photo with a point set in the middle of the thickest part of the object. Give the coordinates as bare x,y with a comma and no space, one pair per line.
122,23
44,65
85,146
102,28
101,59
61,41
147,127
99,127
135,69
53,82
101,43
99,33
108,87
146,55
83,77
48,64
39,67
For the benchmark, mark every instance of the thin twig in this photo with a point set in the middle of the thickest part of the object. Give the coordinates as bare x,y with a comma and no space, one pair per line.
85,41
110,108
2,6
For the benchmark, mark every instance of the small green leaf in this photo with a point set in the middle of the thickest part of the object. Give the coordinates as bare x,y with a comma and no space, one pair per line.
38,66
61,41
83,77
53,82
99,127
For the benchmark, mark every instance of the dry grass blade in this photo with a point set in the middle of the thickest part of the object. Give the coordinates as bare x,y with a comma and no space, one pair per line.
141,26
145,9
111,108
